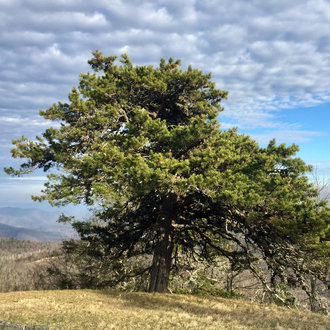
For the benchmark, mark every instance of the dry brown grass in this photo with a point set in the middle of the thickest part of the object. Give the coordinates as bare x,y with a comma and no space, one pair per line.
91,309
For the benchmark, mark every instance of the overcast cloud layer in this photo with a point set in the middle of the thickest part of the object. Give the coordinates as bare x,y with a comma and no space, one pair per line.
269,55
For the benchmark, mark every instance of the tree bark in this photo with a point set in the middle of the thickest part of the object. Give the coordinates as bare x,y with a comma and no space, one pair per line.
162,258
229,280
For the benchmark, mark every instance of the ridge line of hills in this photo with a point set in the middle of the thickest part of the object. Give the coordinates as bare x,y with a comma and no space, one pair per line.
32,224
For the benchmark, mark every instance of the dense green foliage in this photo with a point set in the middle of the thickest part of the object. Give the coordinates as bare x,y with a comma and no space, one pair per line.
143,146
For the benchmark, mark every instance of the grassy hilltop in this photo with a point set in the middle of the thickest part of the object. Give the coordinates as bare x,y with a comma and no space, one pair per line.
95,309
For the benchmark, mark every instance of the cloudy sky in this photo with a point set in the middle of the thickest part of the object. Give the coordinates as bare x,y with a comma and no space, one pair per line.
273,56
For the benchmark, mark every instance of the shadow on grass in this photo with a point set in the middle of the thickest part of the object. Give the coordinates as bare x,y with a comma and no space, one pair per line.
223,310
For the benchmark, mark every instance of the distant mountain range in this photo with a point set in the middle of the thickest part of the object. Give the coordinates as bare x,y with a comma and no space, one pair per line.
32,224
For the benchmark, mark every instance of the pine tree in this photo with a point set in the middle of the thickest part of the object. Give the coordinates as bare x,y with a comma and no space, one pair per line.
143,146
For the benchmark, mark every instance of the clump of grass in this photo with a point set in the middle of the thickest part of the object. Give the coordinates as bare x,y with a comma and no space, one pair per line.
96,309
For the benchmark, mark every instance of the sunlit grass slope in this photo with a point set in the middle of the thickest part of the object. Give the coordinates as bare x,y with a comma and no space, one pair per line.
89,309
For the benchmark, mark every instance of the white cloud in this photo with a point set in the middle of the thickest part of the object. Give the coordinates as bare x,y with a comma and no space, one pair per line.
286,136
22,121
31,178
159,18
270,55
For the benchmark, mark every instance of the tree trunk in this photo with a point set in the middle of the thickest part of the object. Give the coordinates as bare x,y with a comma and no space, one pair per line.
313,295
230,279
162,258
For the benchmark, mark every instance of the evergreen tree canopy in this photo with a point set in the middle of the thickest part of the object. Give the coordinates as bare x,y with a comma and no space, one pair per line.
143,146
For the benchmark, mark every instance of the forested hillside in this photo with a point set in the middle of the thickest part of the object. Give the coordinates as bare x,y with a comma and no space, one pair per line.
22,263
